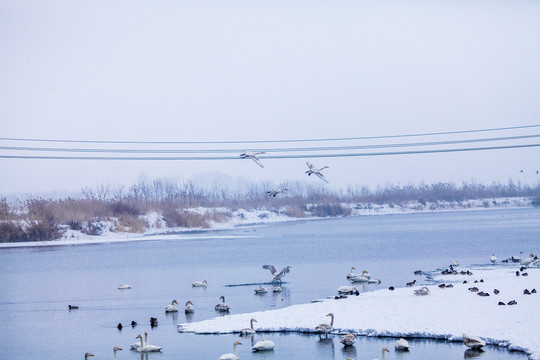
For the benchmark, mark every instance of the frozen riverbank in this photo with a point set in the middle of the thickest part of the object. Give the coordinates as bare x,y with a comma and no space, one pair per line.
444,314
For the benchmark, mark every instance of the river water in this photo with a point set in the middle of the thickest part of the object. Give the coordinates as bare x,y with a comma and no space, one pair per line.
39,283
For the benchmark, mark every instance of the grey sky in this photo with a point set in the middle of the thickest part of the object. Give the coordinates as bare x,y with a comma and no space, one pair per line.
247,70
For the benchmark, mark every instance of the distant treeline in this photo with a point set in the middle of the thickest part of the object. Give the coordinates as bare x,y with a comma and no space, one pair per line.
40,219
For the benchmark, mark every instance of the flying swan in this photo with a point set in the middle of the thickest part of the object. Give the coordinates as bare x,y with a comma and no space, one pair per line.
314,170
253,156
277,276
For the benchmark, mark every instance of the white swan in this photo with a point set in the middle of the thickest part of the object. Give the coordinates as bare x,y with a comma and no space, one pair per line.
173,307
223,306
280,275
115,349
273,193
455,263
493,258
87,355
263,345
261,290
276,289
199,283
250,330
348,290
473,342
253,156
325,328
527,261
189,308
231,356
422,291
314,170
364,277
402,344
124,286
348,339
384,350
351,274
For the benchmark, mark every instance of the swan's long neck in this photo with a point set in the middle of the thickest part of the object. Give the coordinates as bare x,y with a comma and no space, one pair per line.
142,344
145,339
352,269
223,299
332,320
114,358
383,355
234,349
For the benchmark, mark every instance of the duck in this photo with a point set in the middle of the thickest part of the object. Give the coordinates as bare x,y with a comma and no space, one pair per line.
261,290
348,290
253,156
173,307
223,306
351,273
231,356
263,345
115,349
493,258
124,286
314,170
189,309
73,307
119,326
87,355
250,330
473,342
133,323
384,350
277,276
422,291
348,339
325,328
402,345
409,284
200,283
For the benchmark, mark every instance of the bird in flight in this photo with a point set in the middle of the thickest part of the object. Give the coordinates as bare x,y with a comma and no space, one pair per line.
277,191
277,276
314,170
253,156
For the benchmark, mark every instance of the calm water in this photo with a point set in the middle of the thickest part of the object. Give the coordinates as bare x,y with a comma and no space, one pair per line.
38,283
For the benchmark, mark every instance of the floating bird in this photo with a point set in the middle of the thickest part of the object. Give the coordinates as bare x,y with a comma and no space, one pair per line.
153,322
481,293
133,323
277,276
422,291
496,292
277,289
325,328
231,356
384,350
512,302
263,345
189,309
173,307
391,288
115,349
250,330
261,290
402,345
119,326
351,274
409,284
145,347
87,355
473,342
348,339
124,286
418,272
274,192
501,303
527,261
73,307
493,258
364,277
314,170
526,292
223,306
253,156
199,283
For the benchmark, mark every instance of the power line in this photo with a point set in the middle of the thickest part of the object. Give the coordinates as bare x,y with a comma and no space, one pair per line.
324,148
411,152
270,141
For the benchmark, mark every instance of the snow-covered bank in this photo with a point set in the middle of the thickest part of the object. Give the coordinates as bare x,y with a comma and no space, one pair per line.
444,314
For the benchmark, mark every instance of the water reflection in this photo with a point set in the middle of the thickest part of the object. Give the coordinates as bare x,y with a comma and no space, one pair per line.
473,353
327,347
349,351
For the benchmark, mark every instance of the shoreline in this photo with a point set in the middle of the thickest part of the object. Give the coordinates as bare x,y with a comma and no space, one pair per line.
256,218
445,314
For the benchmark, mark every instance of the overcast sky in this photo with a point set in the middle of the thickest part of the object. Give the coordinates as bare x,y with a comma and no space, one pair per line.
251,70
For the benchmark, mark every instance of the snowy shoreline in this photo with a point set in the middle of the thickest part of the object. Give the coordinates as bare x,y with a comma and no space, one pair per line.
158,230
444,314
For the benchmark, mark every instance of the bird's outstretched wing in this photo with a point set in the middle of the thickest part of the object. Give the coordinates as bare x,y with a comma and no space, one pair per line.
257,161
285,270
321,176
310,166
271,268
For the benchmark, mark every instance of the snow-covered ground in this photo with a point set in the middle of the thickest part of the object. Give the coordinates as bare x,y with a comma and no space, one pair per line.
156,225
444,314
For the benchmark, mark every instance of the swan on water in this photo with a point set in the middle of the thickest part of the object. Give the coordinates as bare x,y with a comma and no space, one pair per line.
277,289
253,156
277,276
348,339
144,346
199,283
124,286
231,356
351,274
422,291
173,307
493,258
384,350
364,277
325,328
115,349
527,261
314,170
87,355
473,342
189,308
250,330
402,345
261,290
223,306
263,345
